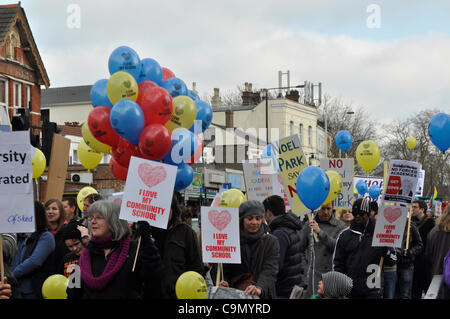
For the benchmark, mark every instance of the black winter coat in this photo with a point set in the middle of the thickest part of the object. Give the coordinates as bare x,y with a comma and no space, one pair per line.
414,249
355,257
287,229
126,284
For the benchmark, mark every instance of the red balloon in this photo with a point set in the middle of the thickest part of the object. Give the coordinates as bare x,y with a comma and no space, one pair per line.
100,126
123,152
198,152
143,88
155,141
157,106
167,74
118,170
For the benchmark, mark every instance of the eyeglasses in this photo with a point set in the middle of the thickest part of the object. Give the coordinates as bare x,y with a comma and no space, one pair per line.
97,218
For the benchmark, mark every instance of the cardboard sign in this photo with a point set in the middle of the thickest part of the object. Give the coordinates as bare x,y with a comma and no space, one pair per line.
390,226
344,166
220,235
291,162
16,183
258,186
402,181
148,192
57,168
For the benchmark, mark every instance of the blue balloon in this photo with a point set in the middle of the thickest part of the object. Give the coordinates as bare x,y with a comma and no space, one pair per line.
204,117
150,71
127,119
194,96
313,186
184,144
125,59
361,187
344,140
374,191
185,176
439,131
175,87
99,97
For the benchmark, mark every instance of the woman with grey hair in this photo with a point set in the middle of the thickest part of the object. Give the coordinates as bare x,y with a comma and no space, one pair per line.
107,266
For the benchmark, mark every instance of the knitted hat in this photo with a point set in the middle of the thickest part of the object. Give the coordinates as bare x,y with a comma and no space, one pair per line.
71,232
336,284
251,207
361,204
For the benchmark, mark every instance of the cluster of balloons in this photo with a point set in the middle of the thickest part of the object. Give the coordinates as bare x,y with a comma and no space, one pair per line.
316,187
144,110
191,285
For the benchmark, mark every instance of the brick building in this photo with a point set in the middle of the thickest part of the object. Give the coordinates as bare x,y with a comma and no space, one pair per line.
22,72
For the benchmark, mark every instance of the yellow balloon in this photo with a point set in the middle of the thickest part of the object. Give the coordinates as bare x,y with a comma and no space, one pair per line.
368,155
232,198
39,163
335,185
54,287
121,85
82,194
411,142
89,158
183,114
92,142
191,285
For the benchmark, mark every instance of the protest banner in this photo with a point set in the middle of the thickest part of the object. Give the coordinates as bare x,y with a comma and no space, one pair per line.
258,185
148,192
344,166
402,181
16,183
291,162
390,226
220,235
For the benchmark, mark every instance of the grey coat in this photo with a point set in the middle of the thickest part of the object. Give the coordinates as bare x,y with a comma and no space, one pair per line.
323,250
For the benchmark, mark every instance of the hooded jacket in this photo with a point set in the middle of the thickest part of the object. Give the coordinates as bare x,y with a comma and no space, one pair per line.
287,228
355,257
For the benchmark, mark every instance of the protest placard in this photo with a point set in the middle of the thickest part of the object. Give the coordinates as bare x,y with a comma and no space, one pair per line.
390,226
220,235
16,183
344,166
291,162
420,182
148,192
402,181
258,185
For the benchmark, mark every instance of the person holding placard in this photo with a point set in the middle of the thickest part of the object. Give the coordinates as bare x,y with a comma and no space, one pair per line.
286,227
107,266
257,273
327,229
179,250
35,258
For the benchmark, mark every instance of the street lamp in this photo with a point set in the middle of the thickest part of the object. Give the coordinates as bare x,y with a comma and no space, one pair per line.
267,104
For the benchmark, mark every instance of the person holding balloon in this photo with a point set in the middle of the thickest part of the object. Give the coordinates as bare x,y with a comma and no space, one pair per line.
35,258
257,273
111,266
179,250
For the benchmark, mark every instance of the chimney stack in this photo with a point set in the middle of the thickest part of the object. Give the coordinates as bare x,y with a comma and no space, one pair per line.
247,95
293,95
216,101
229,117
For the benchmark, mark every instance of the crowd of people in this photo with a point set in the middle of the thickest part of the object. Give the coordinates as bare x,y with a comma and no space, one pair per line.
329,254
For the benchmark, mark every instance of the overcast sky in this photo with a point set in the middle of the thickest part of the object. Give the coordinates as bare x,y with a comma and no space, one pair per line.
390,57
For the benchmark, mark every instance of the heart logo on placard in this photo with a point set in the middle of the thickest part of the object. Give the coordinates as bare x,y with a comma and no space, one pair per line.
151,176
392,214
220,220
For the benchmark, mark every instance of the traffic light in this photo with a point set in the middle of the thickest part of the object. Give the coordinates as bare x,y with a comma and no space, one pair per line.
48,129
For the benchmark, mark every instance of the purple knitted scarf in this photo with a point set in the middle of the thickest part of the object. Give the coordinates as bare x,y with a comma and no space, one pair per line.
113,265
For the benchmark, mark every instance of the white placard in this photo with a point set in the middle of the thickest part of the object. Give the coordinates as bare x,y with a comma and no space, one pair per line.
220,235
16,183
402,181
258,185
148,192
390,226
344,166
420,183
278,189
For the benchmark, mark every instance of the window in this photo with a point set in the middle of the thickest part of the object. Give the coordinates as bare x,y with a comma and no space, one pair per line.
75,156
4,116
300,133
309,135
28,95
17,96
291,127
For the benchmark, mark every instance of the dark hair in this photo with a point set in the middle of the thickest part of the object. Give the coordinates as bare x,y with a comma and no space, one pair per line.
176,211
422,204
275,204
373,206
40,217
72,201
92,198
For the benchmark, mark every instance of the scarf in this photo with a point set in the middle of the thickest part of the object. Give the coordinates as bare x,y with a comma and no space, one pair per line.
114,264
